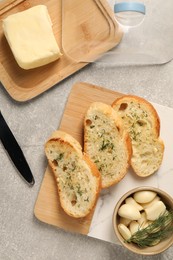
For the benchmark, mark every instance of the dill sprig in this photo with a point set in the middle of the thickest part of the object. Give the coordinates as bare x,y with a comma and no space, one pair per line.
158,230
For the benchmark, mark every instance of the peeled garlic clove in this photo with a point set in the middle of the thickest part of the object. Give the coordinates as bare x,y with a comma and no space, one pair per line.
155,242
155,230
133,202
144,196
146,224
146,205
134,227
125,221
155,210
168,220
124,231
129,211
143,220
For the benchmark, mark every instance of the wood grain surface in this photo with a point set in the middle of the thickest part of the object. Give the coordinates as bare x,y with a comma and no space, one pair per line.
8,4
47,207
83,29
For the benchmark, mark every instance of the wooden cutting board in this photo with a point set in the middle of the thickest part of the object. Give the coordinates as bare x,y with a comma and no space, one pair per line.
83,29
47,207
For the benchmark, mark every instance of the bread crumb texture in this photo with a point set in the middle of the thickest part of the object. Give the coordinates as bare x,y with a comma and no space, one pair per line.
78,184
143,125
106,143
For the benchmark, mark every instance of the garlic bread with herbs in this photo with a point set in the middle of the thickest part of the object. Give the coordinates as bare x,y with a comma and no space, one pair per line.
142,123
78,179
106,143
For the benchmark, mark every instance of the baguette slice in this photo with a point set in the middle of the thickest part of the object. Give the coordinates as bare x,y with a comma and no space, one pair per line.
106,143
143,125
77,178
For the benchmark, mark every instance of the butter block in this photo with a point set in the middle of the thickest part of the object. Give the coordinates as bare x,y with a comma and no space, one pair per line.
30,36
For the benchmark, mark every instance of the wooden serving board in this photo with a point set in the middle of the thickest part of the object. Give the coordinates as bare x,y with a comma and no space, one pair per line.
99,223
8,4
47,207
89,30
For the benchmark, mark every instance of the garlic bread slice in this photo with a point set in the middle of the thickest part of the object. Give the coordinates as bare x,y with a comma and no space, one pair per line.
106,143
78,180
143,125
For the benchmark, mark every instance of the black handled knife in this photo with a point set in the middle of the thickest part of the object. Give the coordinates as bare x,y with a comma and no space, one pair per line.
12,147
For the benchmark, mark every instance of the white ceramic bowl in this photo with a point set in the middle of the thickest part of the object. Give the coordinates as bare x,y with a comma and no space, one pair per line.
153,250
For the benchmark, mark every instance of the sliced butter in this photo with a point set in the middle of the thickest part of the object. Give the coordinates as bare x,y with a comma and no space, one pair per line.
30,36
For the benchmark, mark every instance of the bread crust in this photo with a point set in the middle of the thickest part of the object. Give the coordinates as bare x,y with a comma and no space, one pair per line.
73,150
146,103
135,110
93,139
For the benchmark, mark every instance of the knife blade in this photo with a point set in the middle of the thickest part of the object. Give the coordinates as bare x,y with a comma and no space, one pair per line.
15,152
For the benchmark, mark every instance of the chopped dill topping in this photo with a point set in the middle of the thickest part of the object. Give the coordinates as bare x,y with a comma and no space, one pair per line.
60,156
106,144
79,191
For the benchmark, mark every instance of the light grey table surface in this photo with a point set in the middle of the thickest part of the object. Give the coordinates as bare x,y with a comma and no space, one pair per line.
24,237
